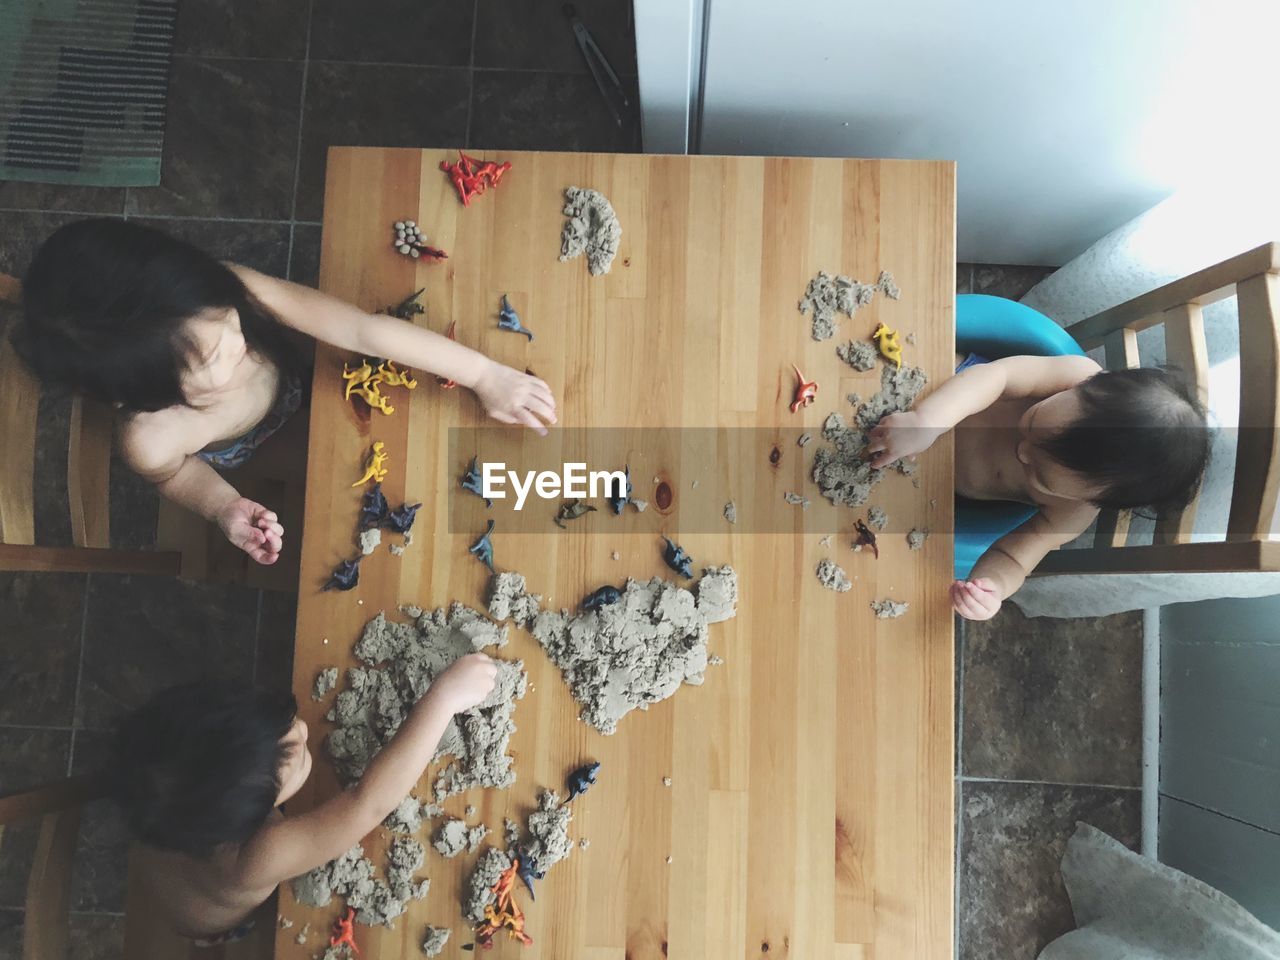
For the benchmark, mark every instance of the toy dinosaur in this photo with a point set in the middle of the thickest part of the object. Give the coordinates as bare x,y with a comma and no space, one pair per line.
619,502
508,319
357,377
482,549
887,341
503,913
603,597
451,333
571,510
344,932
401,519
471,483
373,509
368,392
410,241
345,575
677,559
374,465
581,780
865,538
806,391
471,177
528,873
409,307
387,373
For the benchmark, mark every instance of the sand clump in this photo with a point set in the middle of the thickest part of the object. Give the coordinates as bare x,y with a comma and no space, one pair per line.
916,538
455,837
888,609
859,354
877,518
479,894
639,650
548,828
826,296
592,228
433,941
402,659
326,680
839,470
351,876
731,512
510,600
832,576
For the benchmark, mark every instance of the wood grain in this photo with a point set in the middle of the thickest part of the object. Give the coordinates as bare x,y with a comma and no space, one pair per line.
811,806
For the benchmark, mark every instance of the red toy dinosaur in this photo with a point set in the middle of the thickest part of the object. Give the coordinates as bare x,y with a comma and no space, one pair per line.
806,391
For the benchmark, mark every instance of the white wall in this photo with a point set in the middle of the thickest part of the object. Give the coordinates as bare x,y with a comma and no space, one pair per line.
1067,118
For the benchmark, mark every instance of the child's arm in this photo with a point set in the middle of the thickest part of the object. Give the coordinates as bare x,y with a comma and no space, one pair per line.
191,483
968,392
1009,561
508,395
295,844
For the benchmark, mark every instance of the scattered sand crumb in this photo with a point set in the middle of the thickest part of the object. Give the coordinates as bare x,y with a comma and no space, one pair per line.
326,680
876,517
910,339
796,500
859,354
885,284
668,860
369,540
666,781
832,576
888,609
715,660
396,549
584,843
731,512
825,541
854,398
803,439
434,940
916,538
283,922
616,555
301,938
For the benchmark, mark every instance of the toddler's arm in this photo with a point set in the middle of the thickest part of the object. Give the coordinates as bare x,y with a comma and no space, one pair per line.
968,392
191,483
1009,561
507,394
293,845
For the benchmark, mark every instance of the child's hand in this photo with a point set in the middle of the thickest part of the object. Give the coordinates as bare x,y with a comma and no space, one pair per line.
465,683
899,435
975,599
253,528
514,397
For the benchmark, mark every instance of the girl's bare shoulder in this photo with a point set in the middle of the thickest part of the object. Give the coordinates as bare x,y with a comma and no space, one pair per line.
155,444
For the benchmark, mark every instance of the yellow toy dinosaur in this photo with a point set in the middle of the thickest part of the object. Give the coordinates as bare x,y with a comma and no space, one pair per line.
374,468
392,377
887,340
355,378
368,392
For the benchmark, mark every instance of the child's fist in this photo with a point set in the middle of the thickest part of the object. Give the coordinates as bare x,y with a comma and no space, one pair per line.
975,599
253,528
899,435
514,397
466,682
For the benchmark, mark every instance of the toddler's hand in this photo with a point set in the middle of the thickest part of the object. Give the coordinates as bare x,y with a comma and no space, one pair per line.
975,599
899,435
466,682
514,397
253,528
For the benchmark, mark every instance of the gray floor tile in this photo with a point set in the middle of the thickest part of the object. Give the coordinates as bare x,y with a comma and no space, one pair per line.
230,141
398,31
22,232
1012,901
262,246
1011,282
99,872
42,615
546,111
11,934
369,105
535,35
144,634
52,509
304,265
1056,700
277,625
96,936
133,504
28,758
964,278
18,195
242,28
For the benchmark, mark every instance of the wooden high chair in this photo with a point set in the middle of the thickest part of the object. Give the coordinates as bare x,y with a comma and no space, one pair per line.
1254,278
57,808
186,544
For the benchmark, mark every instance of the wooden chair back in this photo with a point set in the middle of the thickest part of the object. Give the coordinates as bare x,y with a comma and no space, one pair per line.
88,474
1253,277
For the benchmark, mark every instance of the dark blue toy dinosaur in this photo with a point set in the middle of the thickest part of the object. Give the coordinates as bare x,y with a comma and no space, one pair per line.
528,873
345,575
619,503
508,319
483,548
471,482
401,520
677,559
581,779
601,598
374,509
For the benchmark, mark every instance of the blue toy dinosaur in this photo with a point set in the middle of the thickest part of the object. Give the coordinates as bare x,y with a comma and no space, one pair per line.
619,503
508,319
345,575
483,548
581,779
601,598
471,482
677,559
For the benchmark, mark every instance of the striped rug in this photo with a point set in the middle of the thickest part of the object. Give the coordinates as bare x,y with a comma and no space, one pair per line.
82,90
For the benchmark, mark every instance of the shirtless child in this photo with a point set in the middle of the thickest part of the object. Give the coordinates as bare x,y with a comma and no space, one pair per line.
1058,433
202,769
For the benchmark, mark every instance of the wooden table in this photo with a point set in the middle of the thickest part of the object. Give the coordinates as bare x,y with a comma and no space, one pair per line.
811,807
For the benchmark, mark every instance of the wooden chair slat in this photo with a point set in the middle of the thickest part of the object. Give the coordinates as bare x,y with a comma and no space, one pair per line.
61,795
89,560
1120,349
89,473
1257,477
1200,557
19,402
1203,287
48,902
1185,347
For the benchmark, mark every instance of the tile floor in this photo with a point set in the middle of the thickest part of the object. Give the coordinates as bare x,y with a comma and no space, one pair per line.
1048,725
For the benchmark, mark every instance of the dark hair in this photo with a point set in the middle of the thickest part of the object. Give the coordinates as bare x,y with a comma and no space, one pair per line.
199,765
105,303
1141,437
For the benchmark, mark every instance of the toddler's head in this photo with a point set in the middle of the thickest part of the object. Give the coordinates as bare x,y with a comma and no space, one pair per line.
203,765
139,319
1122,439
